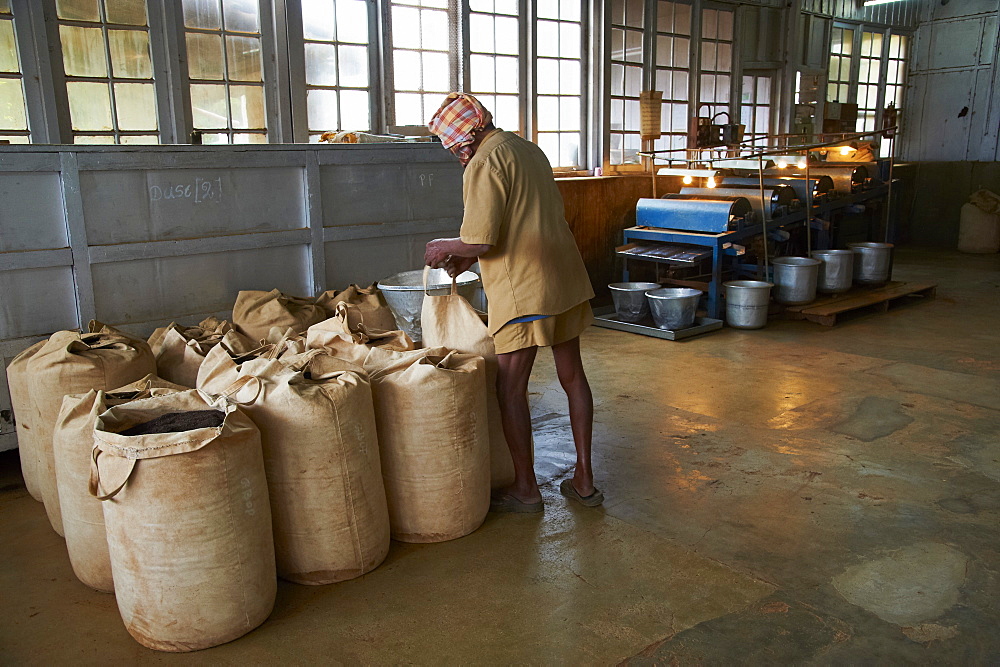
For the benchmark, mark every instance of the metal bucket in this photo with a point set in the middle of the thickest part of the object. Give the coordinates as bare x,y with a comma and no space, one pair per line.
673,307
795,280
630,300
836,271
404,292
746,303
872,262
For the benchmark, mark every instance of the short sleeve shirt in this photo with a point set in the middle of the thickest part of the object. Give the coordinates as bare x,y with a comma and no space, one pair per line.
513,204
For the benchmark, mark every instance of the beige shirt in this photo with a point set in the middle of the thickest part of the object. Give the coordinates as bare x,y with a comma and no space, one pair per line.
512,203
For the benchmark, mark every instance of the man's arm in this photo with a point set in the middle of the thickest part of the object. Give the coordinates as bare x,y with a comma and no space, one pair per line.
453,254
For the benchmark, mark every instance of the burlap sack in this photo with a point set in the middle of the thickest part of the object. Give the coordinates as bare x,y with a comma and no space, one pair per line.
317,426
450,321
430,407
180,350
288,341
344,336
371,307
20,401
256,312
73,445
75,363
188,524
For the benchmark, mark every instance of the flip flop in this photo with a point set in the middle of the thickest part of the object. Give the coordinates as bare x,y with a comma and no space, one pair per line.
508,504
593,500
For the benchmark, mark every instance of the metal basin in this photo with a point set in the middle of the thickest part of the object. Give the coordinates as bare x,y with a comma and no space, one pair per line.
746,303
872,262
404,292
673,307
836,271
795,280
630,300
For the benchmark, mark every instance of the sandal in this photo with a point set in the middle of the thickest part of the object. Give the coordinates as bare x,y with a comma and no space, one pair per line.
510,505
593,500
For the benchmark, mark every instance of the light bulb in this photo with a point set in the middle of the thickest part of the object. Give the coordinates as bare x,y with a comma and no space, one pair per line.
687,180
845,150
781,164
801,164
711,182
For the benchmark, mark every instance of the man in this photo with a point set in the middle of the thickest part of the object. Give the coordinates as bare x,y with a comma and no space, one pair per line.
535,280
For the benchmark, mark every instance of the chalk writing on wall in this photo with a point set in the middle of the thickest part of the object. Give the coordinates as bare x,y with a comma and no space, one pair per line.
200,190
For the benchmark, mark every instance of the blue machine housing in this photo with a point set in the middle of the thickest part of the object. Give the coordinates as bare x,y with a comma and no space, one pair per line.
695,213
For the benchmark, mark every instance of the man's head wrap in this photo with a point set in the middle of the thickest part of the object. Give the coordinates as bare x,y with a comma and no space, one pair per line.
456,121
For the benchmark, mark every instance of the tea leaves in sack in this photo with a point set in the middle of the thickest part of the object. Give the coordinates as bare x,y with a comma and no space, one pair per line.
27,439
256,312
188,521
73,446
346,337
75,363
430,407
450,321
371,308
321,457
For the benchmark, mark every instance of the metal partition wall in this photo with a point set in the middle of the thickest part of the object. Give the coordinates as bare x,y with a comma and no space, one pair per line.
137,237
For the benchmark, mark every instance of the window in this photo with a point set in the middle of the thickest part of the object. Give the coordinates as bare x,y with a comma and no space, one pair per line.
868,79
424,58
493,61
559,81
673,46
13,119
626,79
755,107
109,71
225,68
838,87
716,60
336,47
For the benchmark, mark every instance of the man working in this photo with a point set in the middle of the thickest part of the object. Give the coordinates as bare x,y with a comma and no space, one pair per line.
535,280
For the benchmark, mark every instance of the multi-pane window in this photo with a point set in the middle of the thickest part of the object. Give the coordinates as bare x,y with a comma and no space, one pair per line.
336,65
716,60
838,86
755,107
559,81
13,120
493,60
225,68
673,47
627,23
868,79
424,63
109,71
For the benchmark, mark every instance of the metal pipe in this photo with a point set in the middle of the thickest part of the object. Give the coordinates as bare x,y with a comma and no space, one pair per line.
809,210
763,221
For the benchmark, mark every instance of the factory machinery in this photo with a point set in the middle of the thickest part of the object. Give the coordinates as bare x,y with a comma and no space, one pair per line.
729,209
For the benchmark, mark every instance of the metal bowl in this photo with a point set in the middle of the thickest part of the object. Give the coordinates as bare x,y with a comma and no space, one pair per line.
673,307
630,300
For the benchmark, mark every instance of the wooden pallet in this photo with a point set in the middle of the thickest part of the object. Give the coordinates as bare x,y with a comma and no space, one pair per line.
878,299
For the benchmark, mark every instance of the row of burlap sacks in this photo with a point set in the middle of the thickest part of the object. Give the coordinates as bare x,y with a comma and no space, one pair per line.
336,434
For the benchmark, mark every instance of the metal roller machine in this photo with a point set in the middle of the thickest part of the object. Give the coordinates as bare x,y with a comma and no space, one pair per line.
780,198
714,214
847,178
821,186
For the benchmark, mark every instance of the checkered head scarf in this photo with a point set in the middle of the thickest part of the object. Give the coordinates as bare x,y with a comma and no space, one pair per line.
455,122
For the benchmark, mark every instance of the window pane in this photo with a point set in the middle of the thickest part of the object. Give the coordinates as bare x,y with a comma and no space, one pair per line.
355,110
725,57
633,81
215,138
83,51
250,138
549,143
569,150
408,109
507,36
247,107
482,73
569,77
633,46
322,105
665,16
12,105
15,139
569,10
136,106
78,10
634,13
547,9
481,31
709,61
243,55
726,25
4,6
682,19
94,140
710,24
202,14
353,66
204,56
507,74
569,40
8,48
548,38
208,103
406,70
126,12
548,75
405,27
434,30
89,106
321,64
436,72
130,54
319,19
140,139
569,113
352,21
507,112
508,7
682,52
241,15
680,91
548,113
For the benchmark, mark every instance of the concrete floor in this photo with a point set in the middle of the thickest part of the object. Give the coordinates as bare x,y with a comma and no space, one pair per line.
798,494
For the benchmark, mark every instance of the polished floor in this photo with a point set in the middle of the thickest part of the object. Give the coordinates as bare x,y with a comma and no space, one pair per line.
798,494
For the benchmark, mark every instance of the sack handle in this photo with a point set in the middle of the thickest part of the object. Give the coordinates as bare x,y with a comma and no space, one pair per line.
94,483
454,282
229,393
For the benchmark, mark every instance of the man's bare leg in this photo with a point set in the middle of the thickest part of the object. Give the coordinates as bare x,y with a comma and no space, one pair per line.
569,368
512,393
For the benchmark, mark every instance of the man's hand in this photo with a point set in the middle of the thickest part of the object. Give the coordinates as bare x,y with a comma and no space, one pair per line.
457,265
437,254
453,254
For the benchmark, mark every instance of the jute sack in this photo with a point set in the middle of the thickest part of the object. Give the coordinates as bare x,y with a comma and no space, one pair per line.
344,335
256,312
180,350
371,307
450,321
20,401
317,426
188,523
430,407
73,445
75,363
